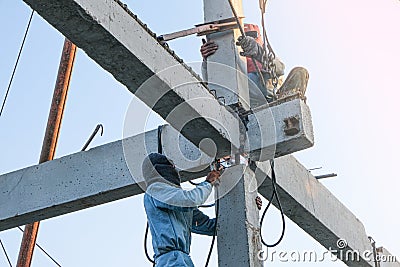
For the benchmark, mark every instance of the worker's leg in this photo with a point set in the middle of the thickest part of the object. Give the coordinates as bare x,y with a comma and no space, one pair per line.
259,95
174,258
296,82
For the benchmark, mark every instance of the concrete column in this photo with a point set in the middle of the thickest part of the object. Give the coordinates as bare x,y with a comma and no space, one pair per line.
226,69
238,222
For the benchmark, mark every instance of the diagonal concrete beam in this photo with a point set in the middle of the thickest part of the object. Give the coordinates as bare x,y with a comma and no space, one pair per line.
121,44
114,38
316,210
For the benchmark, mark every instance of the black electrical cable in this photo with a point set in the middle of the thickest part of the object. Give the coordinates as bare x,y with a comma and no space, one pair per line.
193,183
5,253
145,245
16,63
207,205
159,142
43,250
274,195
215,229
219,164
160,151
266,44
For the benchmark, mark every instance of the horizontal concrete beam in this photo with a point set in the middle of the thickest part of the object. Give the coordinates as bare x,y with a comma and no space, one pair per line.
105,173
90,178
112,171
114,38
315,209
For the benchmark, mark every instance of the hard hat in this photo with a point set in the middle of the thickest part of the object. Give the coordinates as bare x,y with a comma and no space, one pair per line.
252,30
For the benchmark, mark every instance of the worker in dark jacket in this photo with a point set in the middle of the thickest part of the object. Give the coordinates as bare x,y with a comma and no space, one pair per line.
172,212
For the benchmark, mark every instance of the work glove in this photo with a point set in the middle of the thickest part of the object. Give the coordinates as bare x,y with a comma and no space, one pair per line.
249,45
208,49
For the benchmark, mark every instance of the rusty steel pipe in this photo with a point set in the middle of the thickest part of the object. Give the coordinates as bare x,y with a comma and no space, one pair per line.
50,140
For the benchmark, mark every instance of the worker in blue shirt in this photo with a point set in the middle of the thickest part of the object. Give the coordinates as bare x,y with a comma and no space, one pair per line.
172,212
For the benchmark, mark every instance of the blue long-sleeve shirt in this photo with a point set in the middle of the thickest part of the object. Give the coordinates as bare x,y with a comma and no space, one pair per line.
172,214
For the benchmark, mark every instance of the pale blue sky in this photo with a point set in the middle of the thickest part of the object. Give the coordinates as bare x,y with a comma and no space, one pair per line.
351,51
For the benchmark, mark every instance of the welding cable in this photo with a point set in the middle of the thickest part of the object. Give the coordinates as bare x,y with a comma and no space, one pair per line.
194,183
145,245
16,62
159,142
146,233
276,196
5,253
215,229
267,45
207,205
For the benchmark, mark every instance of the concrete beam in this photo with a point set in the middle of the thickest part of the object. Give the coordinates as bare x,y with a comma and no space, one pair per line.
114,38
316,210
105,173
86,179
238,220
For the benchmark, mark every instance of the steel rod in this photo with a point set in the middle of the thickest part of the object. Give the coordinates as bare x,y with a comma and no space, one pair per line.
50,141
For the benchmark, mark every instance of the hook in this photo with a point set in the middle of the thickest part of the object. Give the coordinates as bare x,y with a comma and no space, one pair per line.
93,135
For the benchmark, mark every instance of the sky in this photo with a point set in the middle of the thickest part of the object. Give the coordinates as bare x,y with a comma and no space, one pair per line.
350,49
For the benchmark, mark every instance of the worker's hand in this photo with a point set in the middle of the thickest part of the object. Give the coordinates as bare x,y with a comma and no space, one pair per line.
208,49
213,176
258,202
249,46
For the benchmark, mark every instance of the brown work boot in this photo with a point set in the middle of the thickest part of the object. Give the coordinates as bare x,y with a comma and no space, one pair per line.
295,83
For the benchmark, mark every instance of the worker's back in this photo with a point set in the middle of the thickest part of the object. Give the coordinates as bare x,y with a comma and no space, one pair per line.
170,228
